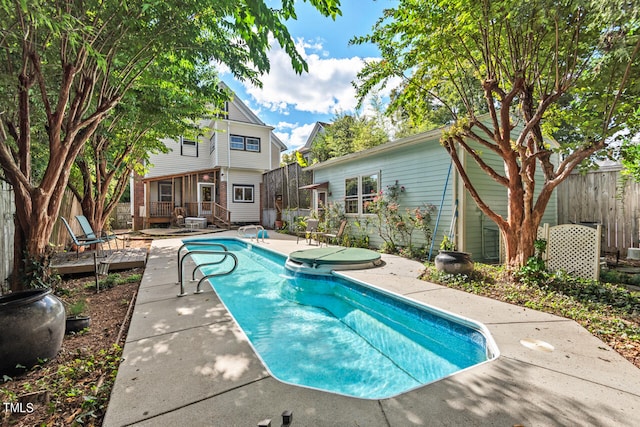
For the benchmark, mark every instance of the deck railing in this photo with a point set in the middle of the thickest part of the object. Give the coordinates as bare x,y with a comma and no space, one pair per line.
221,214
160,209
214,212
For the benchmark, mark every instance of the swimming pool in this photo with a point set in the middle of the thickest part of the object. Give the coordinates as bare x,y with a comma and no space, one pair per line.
339,335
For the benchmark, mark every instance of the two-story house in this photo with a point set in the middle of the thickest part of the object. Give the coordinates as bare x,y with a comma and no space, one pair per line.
216,177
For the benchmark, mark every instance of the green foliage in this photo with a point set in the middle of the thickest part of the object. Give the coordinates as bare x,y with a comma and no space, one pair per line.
114,279
357,236
537,69
332,217
90,70
301,160
608,311
447,244
397,228
347,134
535,269
77,308
614,276
630,158
70,382
37,273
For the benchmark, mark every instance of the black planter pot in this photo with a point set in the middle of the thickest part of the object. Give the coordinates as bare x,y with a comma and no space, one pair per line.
77,323
31,328
454,262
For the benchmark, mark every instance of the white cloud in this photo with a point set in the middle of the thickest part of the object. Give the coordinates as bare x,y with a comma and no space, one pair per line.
325,89
299,136
293,134
315,95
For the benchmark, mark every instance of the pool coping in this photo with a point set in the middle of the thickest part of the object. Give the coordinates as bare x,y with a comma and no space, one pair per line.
185,362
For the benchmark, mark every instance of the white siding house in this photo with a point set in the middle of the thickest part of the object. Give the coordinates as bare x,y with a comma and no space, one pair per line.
216,177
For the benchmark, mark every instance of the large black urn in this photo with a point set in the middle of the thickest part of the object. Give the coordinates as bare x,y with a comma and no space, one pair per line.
32,327
454,262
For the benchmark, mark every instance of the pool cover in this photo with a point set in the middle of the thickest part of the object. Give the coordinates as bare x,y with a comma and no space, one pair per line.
335,255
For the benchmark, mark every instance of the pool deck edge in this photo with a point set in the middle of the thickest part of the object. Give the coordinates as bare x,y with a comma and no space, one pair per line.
186,363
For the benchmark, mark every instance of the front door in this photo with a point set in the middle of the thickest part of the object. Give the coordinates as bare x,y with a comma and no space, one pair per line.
205,199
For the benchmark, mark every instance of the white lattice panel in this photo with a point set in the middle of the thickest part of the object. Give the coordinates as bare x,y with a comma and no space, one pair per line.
574,249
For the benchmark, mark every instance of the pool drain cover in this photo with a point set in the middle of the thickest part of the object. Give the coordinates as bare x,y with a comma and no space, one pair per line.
538,345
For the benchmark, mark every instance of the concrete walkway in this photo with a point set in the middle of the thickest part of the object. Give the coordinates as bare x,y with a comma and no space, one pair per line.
186,363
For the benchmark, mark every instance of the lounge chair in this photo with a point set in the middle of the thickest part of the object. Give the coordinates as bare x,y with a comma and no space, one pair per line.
334,237
80,240
90,234
310,232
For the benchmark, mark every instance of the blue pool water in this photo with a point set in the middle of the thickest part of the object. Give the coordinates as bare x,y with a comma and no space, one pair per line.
338,335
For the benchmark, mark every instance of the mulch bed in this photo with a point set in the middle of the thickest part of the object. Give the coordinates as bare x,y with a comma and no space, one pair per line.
74,388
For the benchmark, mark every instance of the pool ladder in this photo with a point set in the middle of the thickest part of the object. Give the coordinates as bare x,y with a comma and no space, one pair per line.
181,258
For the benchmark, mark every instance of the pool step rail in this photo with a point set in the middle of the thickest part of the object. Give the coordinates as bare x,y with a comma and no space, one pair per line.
203,248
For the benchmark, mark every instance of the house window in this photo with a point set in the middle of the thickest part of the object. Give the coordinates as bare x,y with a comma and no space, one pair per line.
237,142
165,192
369,186
243,193
244,143
351,195
188,147
359,191
252,144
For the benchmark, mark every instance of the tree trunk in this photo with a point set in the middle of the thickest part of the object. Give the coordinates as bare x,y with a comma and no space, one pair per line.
33,228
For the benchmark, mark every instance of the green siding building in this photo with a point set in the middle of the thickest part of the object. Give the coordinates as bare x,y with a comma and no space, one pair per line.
423,169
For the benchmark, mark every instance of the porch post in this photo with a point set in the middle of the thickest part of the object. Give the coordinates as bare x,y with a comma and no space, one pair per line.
147,203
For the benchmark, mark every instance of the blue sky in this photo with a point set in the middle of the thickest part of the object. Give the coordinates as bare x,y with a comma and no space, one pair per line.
293,103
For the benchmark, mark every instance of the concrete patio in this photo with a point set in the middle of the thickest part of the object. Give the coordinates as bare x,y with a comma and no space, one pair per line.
187,363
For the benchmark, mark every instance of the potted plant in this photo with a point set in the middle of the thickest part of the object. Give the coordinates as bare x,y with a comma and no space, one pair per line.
452,261
76,321
31,328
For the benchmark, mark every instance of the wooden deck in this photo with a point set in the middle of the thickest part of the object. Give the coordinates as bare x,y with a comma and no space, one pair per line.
118,259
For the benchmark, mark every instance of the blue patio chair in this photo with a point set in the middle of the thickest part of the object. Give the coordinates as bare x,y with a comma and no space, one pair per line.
80,240
90,234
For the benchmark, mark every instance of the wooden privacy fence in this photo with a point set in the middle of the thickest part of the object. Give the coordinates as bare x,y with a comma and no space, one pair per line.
121,216
281,190
600,197
59,237
69,209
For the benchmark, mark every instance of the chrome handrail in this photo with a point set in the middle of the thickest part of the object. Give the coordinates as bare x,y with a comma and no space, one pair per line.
194,243
260,232
226,253
208,276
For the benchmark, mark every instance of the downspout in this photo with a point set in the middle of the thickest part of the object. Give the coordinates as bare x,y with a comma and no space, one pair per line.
270,152
229,189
